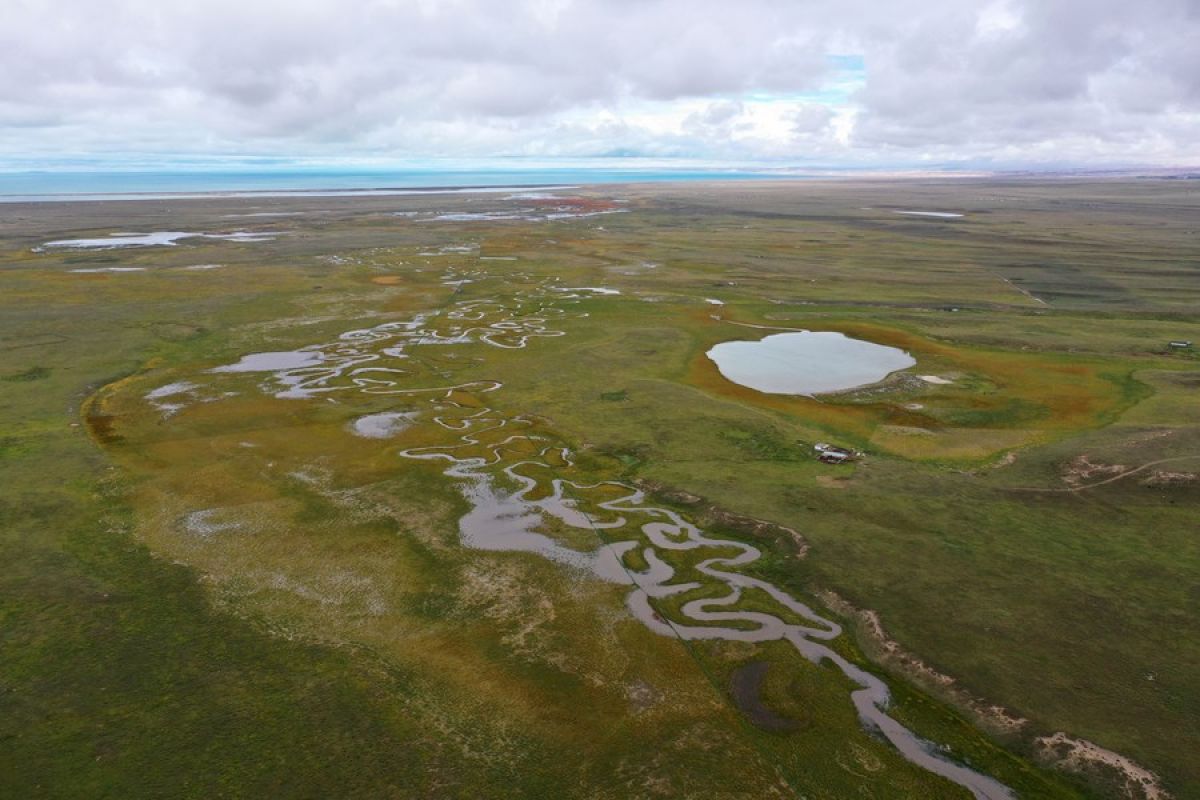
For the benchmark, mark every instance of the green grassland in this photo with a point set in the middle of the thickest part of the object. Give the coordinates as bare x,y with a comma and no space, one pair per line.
323,632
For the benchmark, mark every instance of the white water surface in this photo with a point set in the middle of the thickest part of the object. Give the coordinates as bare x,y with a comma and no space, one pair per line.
270,362
154,239
807,362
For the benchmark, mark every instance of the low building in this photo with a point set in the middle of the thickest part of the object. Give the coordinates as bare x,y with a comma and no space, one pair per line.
1180,344
829,454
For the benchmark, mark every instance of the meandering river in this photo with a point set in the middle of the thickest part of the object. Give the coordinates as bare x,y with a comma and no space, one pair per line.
514,480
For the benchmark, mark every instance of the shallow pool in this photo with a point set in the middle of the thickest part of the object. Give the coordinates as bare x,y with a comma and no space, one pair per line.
807,362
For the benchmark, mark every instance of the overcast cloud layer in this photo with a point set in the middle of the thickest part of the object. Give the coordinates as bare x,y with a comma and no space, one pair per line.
856,82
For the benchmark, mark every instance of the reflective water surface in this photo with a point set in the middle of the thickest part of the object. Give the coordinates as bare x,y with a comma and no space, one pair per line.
808,362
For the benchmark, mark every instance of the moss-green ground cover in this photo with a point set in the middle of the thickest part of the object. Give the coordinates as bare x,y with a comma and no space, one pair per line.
326,606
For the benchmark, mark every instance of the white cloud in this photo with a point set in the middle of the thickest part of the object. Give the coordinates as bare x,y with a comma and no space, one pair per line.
1013,81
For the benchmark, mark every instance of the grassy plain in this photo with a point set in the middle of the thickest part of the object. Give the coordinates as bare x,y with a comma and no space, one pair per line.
319,630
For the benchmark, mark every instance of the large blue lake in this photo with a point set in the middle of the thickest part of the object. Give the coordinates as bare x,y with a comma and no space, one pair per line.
98,185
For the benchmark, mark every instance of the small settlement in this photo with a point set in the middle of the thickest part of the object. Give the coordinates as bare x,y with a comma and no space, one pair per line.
829,454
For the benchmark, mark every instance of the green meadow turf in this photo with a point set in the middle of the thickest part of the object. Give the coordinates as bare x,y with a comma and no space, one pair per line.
344,643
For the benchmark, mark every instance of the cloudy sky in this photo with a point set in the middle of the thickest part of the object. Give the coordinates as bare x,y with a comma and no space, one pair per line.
823,82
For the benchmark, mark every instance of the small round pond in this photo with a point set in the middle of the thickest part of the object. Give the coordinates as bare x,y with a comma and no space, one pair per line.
807,362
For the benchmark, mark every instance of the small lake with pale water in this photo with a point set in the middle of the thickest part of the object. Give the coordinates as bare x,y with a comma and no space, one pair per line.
807,362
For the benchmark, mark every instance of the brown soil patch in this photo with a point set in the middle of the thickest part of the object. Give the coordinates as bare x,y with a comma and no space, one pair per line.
1081,470
1160,478
889,652
386,280
1082,756
1009,458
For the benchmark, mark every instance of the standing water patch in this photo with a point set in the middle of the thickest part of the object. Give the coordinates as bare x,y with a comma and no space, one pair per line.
807,362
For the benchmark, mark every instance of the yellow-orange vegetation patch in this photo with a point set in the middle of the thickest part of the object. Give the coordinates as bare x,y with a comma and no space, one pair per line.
857,420
951,443
1066,396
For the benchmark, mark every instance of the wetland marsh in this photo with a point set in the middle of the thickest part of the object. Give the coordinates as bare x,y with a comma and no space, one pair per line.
487,495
